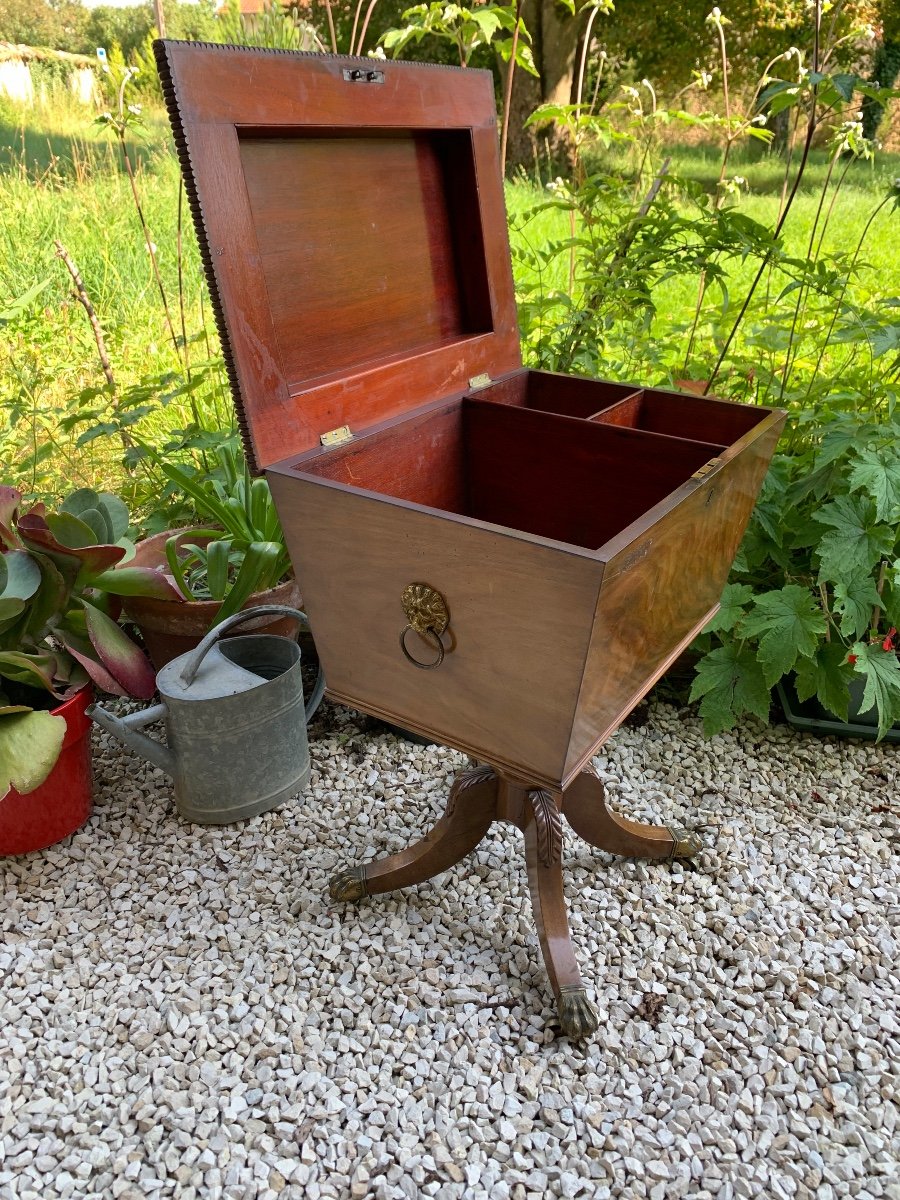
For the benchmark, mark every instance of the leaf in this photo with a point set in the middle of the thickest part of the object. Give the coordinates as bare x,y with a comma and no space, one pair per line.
136,581
21,303
71,531
79,562
217,561
826,675
33,670
857,541
845,85
882,672
20,575
788,623
259,561
10,608
117,514
877,472
76,502
730,681
731,608
120,656
854,601
30,743
83,652
10,498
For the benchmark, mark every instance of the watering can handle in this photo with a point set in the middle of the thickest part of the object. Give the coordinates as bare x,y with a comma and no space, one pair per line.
192,666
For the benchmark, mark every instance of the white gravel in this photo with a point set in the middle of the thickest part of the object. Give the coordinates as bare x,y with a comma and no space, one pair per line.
184,1013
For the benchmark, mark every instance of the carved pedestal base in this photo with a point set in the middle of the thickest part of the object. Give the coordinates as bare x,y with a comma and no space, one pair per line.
479,797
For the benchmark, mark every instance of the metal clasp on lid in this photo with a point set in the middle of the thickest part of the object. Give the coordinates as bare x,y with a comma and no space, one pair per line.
357,75
477,382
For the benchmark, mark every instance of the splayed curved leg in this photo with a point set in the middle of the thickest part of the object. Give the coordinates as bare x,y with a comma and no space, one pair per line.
542,827
469,812
586,810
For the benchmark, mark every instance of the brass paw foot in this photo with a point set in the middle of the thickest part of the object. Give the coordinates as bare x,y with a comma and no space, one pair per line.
577,1015
684,845
349,884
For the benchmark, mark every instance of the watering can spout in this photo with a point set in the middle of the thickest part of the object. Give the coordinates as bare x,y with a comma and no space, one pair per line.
126,730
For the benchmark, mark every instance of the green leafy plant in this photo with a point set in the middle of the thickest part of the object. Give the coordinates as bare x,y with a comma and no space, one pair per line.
815,592
245,553
60,597
465,29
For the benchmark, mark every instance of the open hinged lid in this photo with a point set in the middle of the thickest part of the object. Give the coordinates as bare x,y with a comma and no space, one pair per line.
352,224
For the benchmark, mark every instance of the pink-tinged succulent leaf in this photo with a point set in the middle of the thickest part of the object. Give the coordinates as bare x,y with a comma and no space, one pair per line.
136,581
88,560
124,660
84,653
30,743
34,670
10,498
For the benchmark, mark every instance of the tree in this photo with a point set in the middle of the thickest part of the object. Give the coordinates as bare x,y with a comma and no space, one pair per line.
57,24
885,64
556,28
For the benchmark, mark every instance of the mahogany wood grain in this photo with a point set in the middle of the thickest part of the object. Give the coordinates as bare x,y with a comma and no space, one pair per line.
663,577
420,459
548,901
521,612
470,810
681,415
566,395
565,479
585,808
376,279
572,396
343,217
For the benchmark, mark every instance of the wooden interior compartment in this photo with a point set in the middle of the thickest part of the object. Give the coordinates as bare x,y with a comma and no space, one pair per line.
370,244
566,395
679,414
526,470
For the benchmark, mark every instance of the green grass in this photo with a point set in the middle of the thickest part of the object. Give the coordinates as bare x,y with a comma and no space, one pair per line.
61,178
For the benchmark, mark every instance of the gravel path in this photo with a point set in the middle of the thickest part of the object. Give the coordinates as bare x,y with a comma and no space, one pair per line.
183,1013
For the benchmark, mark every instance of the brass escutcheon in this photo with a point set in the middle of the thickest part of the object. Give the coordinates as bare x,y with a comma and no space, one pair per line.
427,614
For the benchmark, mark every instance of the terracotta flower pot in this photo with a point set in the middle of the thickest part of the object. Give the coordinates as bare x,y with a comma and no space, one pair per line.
64,801
170,628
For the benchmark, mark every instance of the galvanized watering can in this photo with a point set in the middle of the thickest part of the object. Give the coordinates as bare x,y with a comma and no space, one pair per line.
235,723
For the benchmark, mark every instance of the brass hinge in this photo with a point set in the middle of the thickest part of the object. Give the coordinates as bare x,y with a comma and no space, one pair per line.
336,437
477,382
707,469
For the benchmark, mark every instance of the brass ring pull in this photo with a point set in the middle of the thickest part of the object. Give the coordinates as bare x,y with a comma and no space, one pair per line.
424,666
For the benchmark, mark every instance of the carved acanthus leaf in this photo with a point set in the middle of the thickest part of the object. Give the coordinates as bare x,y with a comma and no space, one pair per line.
548,822
468,779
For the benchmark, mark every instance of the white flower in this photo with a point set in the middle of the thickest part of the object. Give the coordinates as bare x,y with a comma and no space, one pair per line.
134,109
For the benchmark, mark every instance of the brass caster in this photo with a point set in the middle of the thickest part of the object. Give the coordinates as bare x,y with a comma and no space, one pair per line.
577,1015
684,845
349,884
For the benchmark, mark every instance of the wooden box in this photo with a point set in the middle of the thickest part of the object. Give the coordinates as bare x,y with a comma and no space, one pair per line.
352,224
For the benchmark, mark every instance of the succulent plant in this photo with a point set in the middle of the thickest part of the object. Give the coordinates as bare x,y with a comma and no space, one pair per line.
60,590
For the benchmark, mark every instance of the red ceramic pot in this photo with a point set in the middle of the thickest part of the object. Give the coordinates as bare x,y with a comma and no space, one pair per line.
63,802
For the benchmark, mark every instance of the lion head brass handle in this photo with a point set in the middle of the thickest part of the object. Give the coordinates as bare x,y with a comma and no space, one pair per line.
427,614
